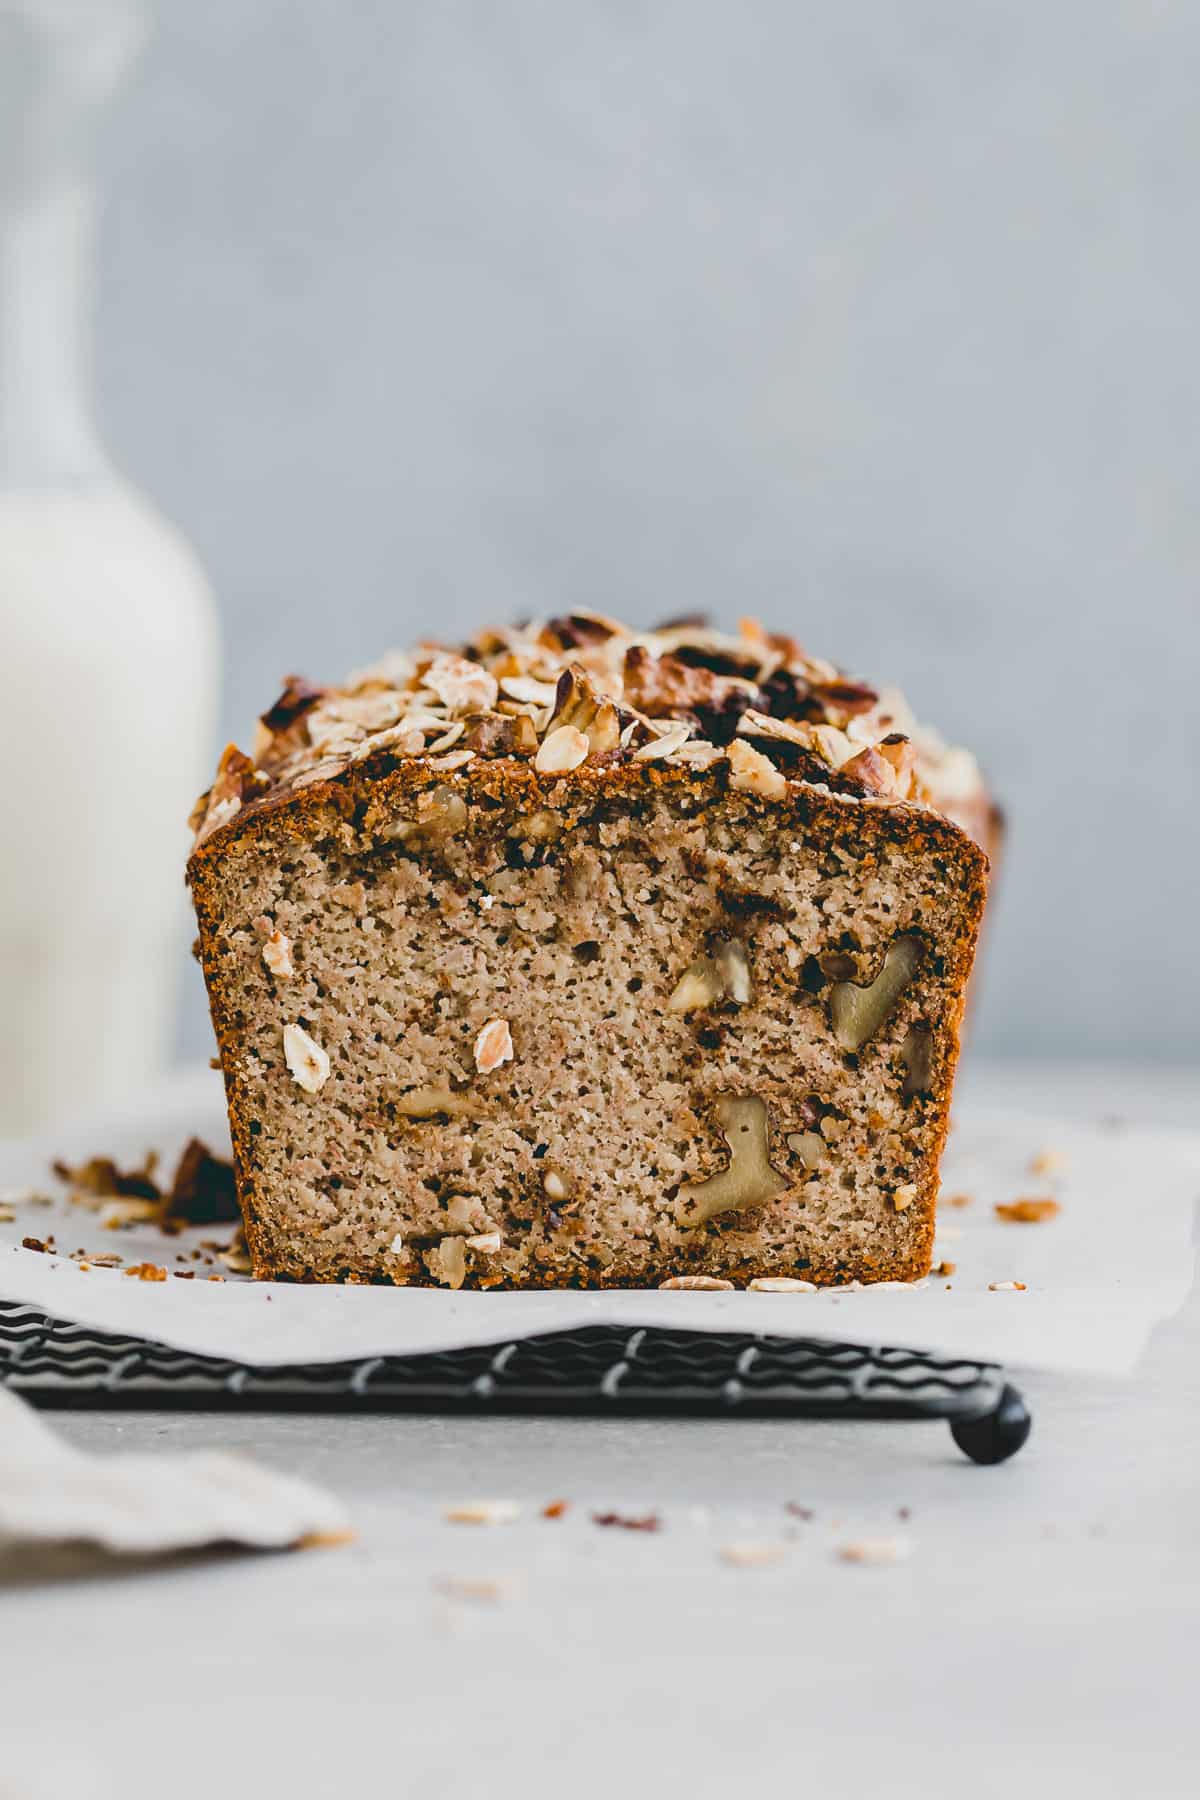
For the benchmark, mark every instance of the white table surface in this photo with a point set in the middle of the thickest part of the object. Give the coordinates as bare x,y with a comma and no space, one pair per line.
1042,1638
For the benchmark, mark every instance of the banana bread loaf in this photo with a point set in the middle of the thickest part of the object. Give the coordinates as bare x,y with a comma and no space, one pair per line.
585,957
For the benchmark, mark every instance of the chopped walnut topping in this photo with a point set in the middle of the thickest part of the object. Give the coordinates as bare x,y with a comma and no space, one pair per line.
756,773
460,685
305,1058
493,1046
563,750
277,954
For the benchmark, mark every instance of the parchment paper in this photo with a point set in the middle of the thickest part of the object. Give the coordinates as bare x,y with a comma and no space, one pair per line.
1117,1261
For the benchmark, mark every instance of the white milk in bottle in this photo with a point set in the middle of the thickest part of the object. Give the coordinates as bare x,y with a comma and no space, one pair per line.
107,628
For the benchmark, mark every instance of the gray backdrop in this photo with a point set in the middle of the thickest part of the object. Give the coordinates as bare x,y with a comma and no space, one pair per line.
876,320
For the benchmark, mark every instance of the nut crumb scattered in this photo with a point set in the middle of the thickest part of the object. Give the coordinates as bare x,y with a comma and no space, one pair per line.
713,1284
147,1271
493,1046
7,1215
323,1540
781,1284
752,1556
874,1551
1027,1212
628,1521
479,1588
1047,1162
797,1511
483,1512
946,1268
958,1200
1006,1287
555,1509
32,1243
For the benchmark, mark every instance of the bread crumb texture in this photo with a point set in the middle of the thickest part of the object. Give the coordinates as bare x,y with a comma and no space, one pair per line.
584,1029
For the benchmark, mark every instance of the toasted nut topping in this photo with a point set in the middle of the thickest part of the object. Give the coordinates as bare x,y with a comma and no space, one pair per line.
460,685
711,979
875,1551
857,1013
483,1512
751,770
749,1177
305,1058
486,1242
447,1262
493,1046
427,1102
564,749
1027,1212
781,1284
666,744
1047,1162
277,954
711,1284
1006,1287
808,1145
903,1197
527,691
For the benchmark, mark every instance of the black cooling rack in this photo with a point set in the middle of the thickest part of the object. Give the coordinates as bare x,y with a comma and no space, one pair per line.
598,1369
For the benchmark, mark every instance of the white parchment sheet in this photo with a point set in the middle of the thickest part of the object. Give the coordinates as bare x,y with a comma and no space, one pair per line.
1116,1261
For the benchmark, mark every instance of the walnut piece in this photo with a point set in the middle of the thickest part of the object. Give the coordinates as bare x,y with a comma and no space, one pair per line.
710,979
462,686
305,1058
427,1102
749,1177
903,1197
916,1053
856,1013
1027,1212
756,773
447,1262
809,1146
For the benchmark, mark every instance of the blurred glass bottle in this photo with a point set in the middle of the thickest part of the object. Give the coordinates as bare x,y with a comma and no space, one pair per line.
107,628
